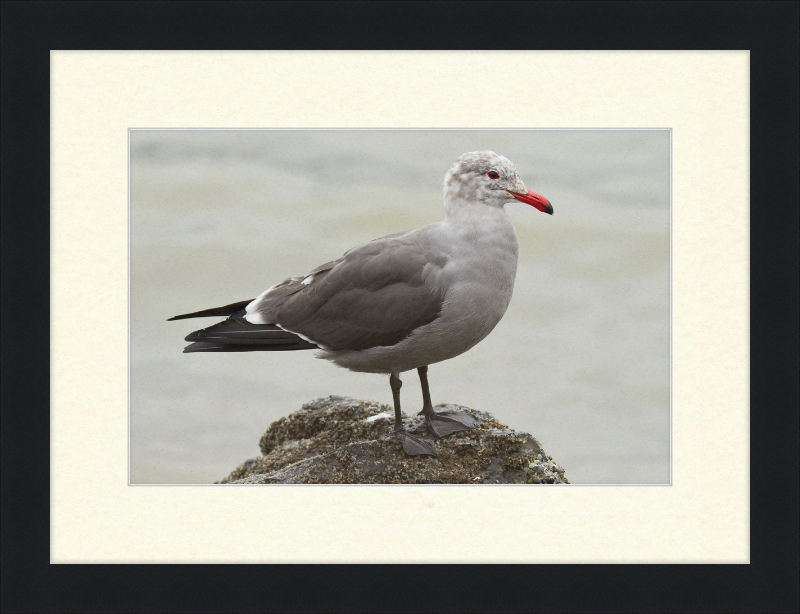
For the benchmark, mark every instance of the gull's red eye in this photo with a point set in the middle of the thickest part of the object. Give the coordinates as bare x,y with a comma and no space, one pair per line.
493,175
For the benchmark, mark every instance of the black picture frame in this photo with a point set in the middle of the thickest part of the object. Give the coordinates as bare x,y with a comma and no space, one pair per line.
768,29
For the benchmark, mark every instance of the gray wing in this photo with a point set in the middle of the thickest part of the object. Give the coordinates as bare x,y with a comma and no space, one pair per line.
376,294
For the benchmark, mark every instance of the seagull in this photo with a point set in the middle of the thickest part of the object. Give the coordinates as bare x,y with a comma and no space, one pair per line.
401,302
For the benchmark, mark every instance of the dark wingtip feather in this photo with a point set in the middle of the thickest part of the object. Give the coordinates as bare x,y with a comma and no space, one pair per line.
215,311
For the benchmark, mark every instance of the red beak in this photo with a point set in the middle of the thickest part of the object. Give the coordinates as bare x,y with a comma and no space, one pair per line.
534,199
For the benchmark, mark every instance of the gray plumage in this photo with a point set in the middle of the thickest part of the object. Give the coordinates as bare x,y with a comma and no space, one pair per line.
400,302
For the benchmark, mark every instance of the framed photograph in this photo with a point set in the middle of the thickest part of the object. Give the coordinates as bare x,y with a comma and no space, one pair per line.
199,153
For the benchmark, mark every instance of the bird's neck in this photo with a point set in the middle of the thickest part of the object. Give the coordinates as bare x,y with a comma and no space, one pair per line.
482,245
478,217
478,230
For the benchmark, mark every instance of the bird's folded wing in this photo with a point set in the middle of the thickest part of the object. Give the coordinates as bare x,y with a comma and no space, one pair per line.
375,295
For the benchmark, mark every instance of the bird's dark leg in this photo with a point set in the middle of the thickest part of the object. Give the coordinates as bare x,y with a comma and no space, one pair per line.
412,444
442,425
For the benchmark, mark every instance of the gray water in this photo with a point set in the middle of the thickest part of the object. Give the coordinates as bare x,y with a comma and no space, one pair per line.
580,360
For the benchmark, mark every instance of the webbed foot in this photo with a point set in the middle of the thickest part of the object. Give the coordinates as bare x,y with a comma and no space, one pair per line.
442,425
415,445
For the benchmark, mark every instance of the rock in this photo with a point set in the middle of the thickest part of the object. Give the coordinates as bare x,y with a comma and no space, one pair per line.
339,440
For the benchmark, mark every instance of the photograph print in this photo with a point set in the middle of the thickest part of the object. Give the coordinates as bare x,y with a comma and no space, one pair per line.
380,306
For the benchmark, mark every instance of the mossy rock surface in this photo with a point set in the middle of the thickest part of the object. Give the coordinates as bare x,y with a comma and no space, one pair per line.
339,440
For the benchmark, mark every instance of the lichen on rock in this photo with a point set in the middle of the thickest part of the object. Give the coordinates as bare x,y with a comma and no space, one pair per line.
339,440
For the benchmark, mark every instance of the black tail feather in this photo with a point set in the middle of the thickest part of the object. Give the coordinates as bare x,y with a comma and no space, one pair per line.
238,335
202,346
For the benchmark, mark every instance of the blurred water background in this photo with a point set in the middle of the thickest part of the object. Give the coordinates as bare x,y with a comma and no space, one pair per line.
581,359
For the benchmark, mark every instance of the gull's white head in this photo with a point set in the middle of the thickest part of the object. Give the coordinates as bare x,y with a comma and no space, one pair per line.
490,178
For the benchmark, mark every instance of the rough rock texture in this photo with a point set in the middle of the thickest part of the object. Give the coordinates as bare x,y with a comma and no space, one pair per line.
339,440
